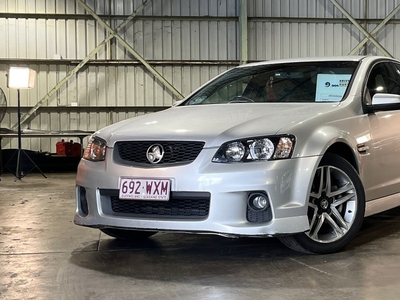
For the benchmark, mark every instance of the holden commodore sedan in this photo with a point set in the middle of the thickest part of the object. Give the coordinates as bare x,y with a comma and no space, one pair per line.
299,149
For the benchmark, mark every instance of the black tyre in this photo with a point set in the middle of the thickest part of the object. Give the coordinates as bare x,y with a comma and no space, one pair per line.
128,234
335,210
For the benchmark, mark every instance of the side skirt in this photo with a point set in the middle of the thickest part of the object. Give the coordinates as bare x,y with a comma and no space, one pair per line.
379,205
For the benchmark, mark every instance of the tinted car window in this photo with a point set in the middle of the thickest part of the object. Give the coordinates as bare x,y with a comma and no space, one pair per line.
395,79
379,79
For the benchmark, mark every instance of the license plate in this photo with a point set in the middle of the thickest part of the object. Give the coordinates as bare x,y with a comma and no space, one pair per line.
144,189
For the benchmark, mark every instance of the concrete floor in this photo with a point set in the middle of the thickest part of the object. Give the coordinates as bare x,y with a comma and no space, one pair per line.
43,255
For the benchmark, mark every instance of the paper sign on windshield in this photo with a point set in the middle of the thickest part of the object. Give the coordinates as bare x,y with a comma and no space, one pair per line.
331,87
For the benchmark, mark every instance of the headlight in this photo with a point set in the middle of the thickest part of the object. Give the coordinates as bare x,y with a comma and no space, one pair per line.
261,149
264,148
95,150
235,151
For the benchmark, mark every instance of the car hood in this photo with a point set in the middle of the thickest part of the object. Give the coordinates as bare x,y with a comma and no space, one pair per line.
214,124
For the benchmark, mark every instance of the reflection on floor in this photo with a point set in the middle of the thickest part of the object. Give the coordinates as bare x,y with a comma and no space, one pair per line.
43,255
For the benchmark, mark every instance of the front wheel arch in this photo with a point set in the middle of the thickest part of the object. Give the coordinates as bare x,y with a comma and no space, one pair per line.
336,208
346,152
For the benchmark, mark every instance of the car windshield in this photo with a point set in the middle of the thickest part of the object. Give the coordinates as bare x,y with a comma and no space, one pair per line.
296,82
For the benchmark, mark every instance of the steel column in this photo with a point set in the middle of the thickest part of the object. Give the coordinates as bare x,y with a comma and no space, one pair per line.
243,31
153,71
360,28
33,110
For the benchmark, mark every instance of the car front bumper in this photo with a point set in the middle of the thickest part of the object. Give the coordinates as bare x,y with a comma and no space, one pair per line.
285,182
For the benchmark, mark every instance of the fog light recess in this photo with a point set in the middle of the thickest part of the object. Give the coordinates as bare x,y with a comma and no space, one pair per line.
83,201
258,201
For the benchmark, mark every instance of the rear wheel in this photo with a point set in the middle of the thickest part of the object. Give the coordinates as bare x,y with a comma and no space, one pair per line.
335,210
128,234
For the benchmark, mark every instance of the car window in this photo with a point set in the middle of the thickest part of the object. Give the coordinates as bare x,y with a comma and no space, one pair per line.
295,82
395,79
379,79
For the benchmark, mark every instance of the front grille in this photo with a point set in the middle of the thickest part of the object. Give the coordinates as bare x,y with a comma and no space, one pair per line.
134,152
181,205
259,216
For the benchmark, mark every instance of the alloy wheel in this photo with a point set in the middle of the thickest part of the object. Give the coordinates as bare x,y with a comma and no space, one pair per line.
332,206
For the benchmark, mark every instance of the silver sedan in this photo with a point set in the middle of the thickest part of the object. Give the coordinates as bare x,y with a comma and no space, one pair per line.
299,149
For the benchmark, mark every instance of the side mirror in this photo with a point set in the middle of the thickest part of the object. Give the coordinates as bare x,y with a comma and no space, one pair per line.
382,102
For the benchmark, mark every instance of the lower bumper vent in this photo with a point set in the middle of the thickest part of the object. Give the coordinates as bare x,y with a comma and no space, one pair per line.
182,205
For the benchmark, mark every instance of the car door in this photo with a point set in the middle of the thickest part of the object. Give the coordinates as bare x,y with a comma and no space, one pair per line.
384,175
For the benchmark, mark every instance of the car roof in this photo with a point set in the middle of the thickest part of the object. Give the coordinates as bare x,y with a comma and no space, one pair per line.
311,59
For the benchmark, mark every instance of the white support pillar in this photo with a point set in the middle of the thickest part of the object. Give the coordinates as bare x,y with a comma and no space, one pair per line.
243,31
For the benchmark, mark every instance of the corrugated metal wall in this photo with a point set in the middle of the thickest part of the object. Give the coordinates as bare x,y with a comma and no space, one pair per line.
298,28
187,41
164,38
